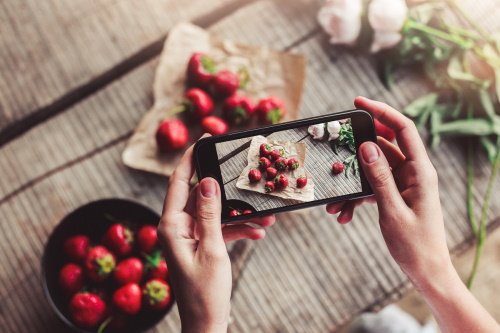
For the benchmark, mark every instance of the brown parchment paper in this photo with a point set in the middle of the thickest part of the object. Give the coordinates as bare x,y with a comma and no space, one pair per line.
271,73
292,150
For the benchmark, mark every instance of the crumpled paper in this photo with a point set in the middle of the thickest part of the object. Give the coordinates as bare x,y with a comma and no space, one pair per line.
292,150
271,72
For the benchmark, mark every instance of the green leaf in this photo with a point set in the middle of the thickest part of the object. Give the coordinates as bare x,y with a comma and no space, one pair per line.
490,147
457,71
420,105
487,103
476,127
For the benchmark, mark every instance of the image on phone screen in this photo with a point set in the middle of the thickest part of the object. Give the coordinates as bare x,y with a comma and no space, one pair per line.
289,167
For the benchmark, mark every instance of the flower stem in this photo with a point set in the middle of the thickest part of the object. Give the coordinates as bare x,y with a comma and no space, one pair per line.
410,24
473,23
470,179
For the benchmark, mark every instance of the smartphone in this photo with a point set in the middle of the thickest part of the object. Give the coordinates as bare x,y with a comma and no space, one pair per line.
287,166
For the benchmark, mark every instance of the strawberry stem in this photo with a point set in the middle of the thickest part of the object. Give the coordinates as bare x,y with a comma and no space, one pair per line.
178,109
104,324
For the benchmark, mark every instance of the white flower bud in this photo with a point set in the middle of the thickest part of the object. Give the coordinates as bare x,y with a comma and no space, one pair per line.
333,127
387,18
341,19
317,131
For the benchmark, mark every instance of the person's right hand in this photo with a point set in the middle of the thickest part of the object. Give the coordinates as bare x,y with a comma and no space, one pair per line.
407,196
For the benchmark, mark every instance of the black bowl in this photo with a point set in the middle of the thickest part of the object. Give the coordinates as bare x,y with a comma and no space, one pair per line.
92,220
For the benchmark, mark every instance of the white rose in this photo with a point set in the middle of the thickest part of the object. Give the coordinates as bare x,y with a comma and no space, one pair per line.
387,18
317,131
333,127
341,19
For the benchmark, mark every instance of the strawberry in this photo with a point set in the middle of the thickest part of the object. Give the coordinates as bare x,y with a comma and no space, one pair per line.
156,266
156,294
225,83
384,131
301,182
200,70
254,175
270,110
238,109
265,149
119,239
147,239
99,263
264,163
280,163
271,173
338,167
247,211
293,164
87,310
214,125
71,278
127,299
76,247
196,103
274,154
281,181
128,271
269,187
234,212
171,135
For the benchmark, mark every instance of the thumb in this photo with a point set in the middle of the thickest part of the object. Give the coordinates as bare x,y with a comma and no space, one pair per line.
379,175
208,205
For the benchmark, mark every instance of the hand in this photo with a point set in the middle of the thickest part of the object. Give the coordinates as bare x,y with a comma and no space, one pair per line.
407,197
193,241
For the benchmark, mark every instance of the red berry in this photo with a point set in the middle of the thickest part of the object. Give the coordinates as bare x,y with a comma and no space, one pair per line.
128,271
87,310
119,239
76,247
156,294
159,272
301,182
234,212
171,135
247,211
127,299
147,239
271,173
270,110
197,103
254,175
264,163
274,155
71,278
338,167
200,70
99,263
265,149
214,125
269,187
238,109
293,164
281,181
384,131
225,83
280,163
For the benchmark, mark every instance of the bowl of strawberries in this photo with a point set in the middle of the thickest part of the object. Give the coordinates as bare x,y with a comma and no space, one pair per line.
103,268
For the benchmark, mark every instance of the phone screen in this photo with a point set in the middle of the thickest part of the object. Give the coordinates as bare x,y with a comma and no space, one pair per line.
272,170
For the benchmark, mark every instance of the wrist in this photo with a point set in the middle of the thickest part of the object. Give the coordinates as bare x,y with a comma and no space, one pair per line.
437,283
194,326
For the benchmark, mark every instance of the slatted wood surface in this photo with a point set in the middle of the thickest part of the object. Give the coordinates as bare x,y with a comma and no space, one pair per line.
75,80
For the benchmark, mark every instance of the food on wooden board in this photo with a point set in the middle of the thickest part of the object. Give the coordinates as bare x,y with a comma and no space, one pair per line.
317,131
71,278
171,135
269,186
293,164
129,270
264,163
265,149
281,181
119,239
301,182
384,131
270,110
274,155
333,128
127,299
254,175
156,294
281,164
224,84
76,247
99,263
147,239
271,173
238,109
196,103
200,71
87,310
214,125
338,167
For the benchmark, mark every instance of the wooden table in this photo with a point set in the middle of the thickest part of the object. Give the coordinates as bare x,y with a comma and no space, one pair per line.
76,78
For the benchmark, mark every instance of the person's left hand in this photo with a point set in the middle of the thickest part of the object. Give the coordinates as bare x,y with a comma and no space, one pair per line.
193,241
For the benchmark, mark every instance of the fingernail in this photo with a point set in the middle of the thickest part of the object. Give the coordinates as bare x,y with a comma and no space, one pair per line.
208,188
370,153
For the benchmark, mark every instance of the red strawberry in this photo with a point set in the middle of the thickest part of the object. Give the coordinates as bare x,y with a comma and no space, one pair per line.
265,149
274,155
293,164
301,182
264,163
156,266
270,110
247,211
238,109
197,103
225,83
128,271
271,173
171,135
156,294
281,181
280,163
99,263
127,299
254,175
200,70
76,247
119,239
384,131
234,212
87,310
214,125
338,167
71,278
269,187
147,239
